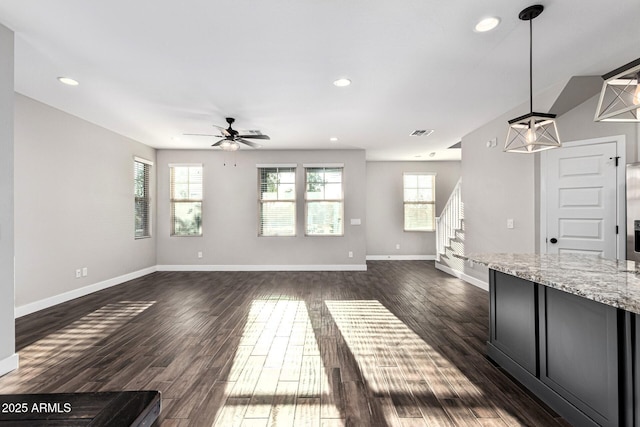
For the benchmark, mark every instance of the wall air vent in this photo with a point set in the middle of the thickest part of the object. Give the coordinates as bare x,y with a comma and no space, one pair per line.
424,132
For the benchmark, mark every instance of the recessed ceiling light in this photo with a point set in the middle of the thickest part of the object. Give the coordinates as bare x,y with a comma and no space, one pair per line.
333,139
432,154
342,82
68,81
487,24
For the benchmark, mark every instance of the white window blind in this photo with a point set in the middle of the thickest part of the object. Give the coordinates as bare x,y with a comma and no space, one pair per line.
324,201
419,202
186,200
142,199
277,201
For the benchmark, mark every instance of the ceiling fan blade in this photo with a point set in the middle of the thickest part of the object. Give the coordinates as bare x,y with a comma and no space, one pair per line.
254,136
200,134
224,131
249,143
219,142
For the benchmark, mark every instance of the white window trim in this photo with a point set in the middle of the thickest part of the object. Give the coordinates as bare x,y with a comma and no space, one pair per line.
173,165
276,165
324,165
142,160
306,201
293,166
171,200
404,203
149,199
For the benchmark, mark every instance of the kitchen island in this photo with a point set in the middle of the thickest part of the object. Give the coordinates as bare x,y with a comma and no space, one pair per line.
566,326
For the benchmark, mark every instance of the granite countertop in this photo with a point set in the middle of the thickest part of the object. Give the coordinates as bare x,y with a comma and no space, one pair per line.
612,282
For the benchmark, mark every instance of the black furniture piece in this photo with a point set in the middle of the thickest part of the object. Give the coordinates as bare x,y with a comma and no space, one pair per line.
113,409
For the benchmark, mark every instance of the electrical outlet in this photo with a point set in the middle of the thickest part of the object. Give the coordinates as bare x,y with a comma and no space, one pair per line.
398,246
199,254
350,254
78,273
509,222
85,271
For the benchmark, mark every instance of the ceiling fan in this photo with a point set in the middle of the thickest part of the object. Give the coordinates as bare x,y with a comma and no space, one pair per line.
231,137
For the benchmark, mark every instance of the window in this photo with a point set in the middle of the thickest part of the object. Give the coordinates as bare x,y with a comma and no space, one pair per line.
142,198
186,200
419,202
324,201
277,188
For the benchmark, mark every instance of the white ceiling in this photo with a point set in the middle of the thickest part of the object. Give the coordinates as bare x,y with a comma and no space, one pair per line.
155,69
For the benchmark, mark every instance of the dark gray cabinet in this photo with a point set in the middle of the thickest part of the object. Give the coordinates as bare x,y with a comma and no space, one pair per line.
514,319
566,349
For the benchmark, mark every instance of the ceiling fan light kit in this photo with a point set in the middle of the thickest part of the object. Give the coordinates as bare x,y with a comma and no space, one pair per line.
532,132
229,146
231,138
620,95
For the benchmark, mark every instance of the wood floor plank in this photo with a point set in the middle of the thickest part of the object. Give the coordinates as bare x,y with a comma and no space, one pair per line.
332,395
356,404
307,411
401,396
263,393
310,376
292,364
284,404
401,344
232,413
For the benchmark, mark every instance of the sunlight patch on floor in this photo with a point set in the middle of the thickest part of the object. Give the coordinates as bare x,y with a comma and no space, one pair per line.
70,343
395,362
277,376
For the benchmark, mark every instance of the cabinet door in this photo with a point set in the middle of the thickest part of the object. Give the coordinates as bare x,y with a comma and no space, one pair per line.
579,353
513,319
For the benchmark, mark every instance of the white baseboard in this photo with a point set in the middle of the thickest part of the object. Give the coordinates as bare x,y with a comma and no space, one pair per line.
9,364
32,307
460,275
330,267
401,257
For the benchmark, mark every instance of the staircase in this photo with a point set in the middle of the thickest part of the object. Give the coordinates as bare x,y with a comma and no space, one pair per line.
450,229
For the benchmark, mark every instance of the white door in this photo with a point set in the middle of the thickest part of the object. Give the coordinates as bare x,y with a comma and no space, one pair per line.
581,200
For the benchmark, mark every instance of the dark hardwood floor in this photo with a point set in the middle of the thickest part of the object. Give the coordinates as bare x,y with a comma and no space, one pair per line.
399,345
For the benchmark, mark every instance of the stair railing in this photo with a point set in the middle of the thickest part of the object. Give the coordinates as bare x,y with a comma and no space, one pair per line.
449,221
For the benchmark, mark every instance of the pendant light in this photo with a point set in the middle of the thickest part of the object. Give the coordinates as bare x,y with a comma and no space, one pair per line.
620,95
532,132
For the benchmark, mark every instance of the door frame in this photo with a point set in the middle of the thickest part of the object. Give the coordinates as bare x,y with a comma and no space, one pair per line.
621,190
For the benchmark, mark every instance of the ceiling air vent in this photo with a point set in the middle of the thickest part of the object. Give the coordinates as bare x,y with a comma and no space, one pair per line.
424,132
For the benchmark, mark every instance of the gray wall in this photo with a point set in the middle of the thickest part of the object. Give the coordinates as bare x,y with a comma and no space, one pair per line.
385,209
7,328
230,212
498,185
74,203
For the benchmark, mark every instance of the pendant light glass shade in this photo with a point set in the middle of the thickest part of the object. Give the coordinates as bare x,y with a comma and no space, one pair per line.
620,95
532,132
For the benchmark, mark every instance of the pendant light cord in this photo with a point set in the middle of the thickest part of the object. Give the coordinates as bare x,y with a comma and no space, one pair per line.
531,65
